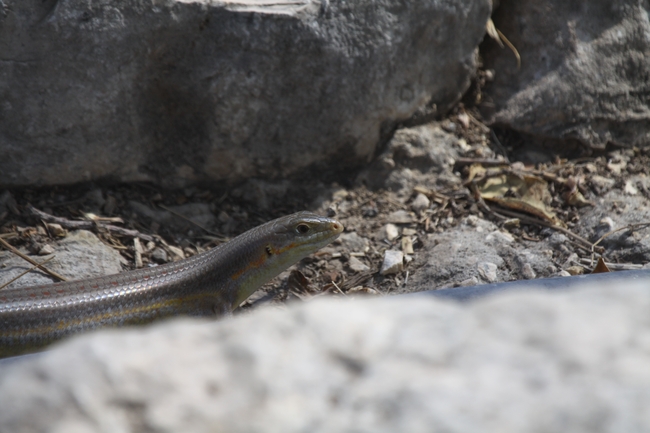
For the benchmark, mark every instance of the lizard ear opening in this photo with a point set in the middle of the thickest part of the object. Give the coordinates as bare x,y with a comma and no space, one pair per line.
269,250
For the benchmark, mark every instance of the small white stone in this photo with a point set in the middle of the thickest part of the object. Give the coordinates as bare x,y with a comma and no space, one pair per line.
469,282
357,265
463,118
407,245
462,144
630,189
46,250
420,202
389,232
159,255
499,236
353,242
602,181
471,220
393,262
608,223
527,271
488,271
616,167
401,217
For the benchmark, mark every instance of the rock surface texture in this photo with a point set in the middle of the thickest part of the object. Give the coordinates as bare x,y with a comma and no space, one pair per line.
202,91
77,256
585,69
576,361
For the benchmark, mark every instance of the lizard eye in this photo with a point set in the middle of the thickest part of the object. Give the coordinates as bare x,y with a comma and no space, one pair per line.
302,228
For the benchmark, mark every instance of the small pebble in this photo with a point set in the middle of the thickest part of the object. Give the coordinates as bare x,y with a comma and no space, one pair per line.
393,262
353,242
46,250
500,237
420,203
575,270
357,265
469,282
369,211
630,189
602,181
488,271
449,126
528,272
401,217
159,255
407,245
463,118
389,232
56,230
340,194
607,223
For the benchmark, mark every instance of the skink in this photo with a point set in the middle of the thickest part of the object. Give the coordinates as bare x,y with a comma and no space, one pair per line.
209,284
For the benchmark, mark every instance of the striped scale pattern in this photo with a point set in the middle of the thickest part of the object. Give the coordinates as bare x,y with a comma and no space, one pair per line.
212,283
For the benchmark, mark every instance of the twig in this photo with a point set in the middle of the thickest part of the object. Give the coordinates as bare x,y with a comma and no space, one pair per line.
485,162
613,266
339,289
477,196
477,122
631,227
498,145
26,272
531,220
32,261
86,225
190,221
511,46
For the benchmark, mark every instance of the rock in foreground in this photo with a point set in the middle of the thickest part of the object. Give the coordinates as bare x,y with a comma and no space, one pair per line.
575,361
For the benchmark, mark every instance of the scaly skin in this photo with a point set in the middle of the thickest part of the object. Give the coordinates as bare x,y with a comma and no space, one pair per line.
209,284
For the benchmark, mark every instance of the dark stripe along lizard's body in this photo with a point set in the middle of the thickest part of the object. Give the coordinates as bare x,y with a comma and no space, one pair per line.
211,283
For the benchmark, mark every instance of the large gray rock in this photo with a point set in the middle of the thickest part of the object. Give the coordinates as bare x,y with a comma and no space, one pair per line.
476,252
183,91
585,68
576,361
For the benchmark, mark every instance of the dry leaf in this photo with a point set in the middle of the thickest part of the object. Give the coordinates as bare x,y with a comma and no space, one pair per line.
475,171
600,267
523,193
575,198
